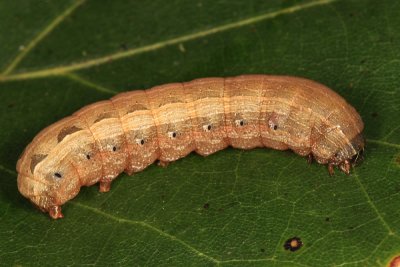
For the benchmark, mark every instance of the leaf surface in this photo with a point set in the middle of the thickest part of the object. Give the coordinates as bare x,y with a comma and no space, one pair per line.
233,208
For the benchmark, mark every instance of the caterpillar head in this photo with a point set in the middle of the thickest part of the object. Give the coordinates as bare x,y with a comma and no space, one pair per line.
47,183
46,175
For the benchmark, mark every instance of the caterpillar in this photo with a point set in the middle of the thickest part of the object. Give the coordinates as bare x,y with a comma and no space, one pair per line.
134,129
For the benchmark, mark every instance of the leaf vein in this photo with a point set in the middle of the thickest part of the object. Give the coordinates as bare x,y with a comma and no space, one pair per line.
7,170
89,84
159,45
383,143
373,206
148,226
46,31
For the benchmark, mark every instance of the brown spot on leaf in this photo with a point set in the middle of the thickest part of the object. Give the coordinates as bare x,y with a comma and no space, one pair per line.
123,46
293,244
206,205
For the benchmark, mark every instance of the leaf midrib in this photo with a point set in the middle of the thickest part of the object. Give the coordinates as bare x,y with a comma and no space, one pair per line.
7,74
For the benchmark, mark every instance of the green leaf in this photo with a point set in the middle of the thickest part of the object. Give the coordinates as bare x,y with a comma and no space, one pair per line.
233,208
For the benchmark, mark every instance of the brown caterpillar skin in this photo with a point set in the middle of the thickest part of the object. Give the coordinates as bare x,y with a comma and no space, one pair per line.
167,122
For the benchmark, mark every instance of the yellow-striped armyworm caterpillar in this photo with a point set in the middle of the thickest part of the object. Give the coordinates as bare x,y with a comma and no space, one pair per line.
133,129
